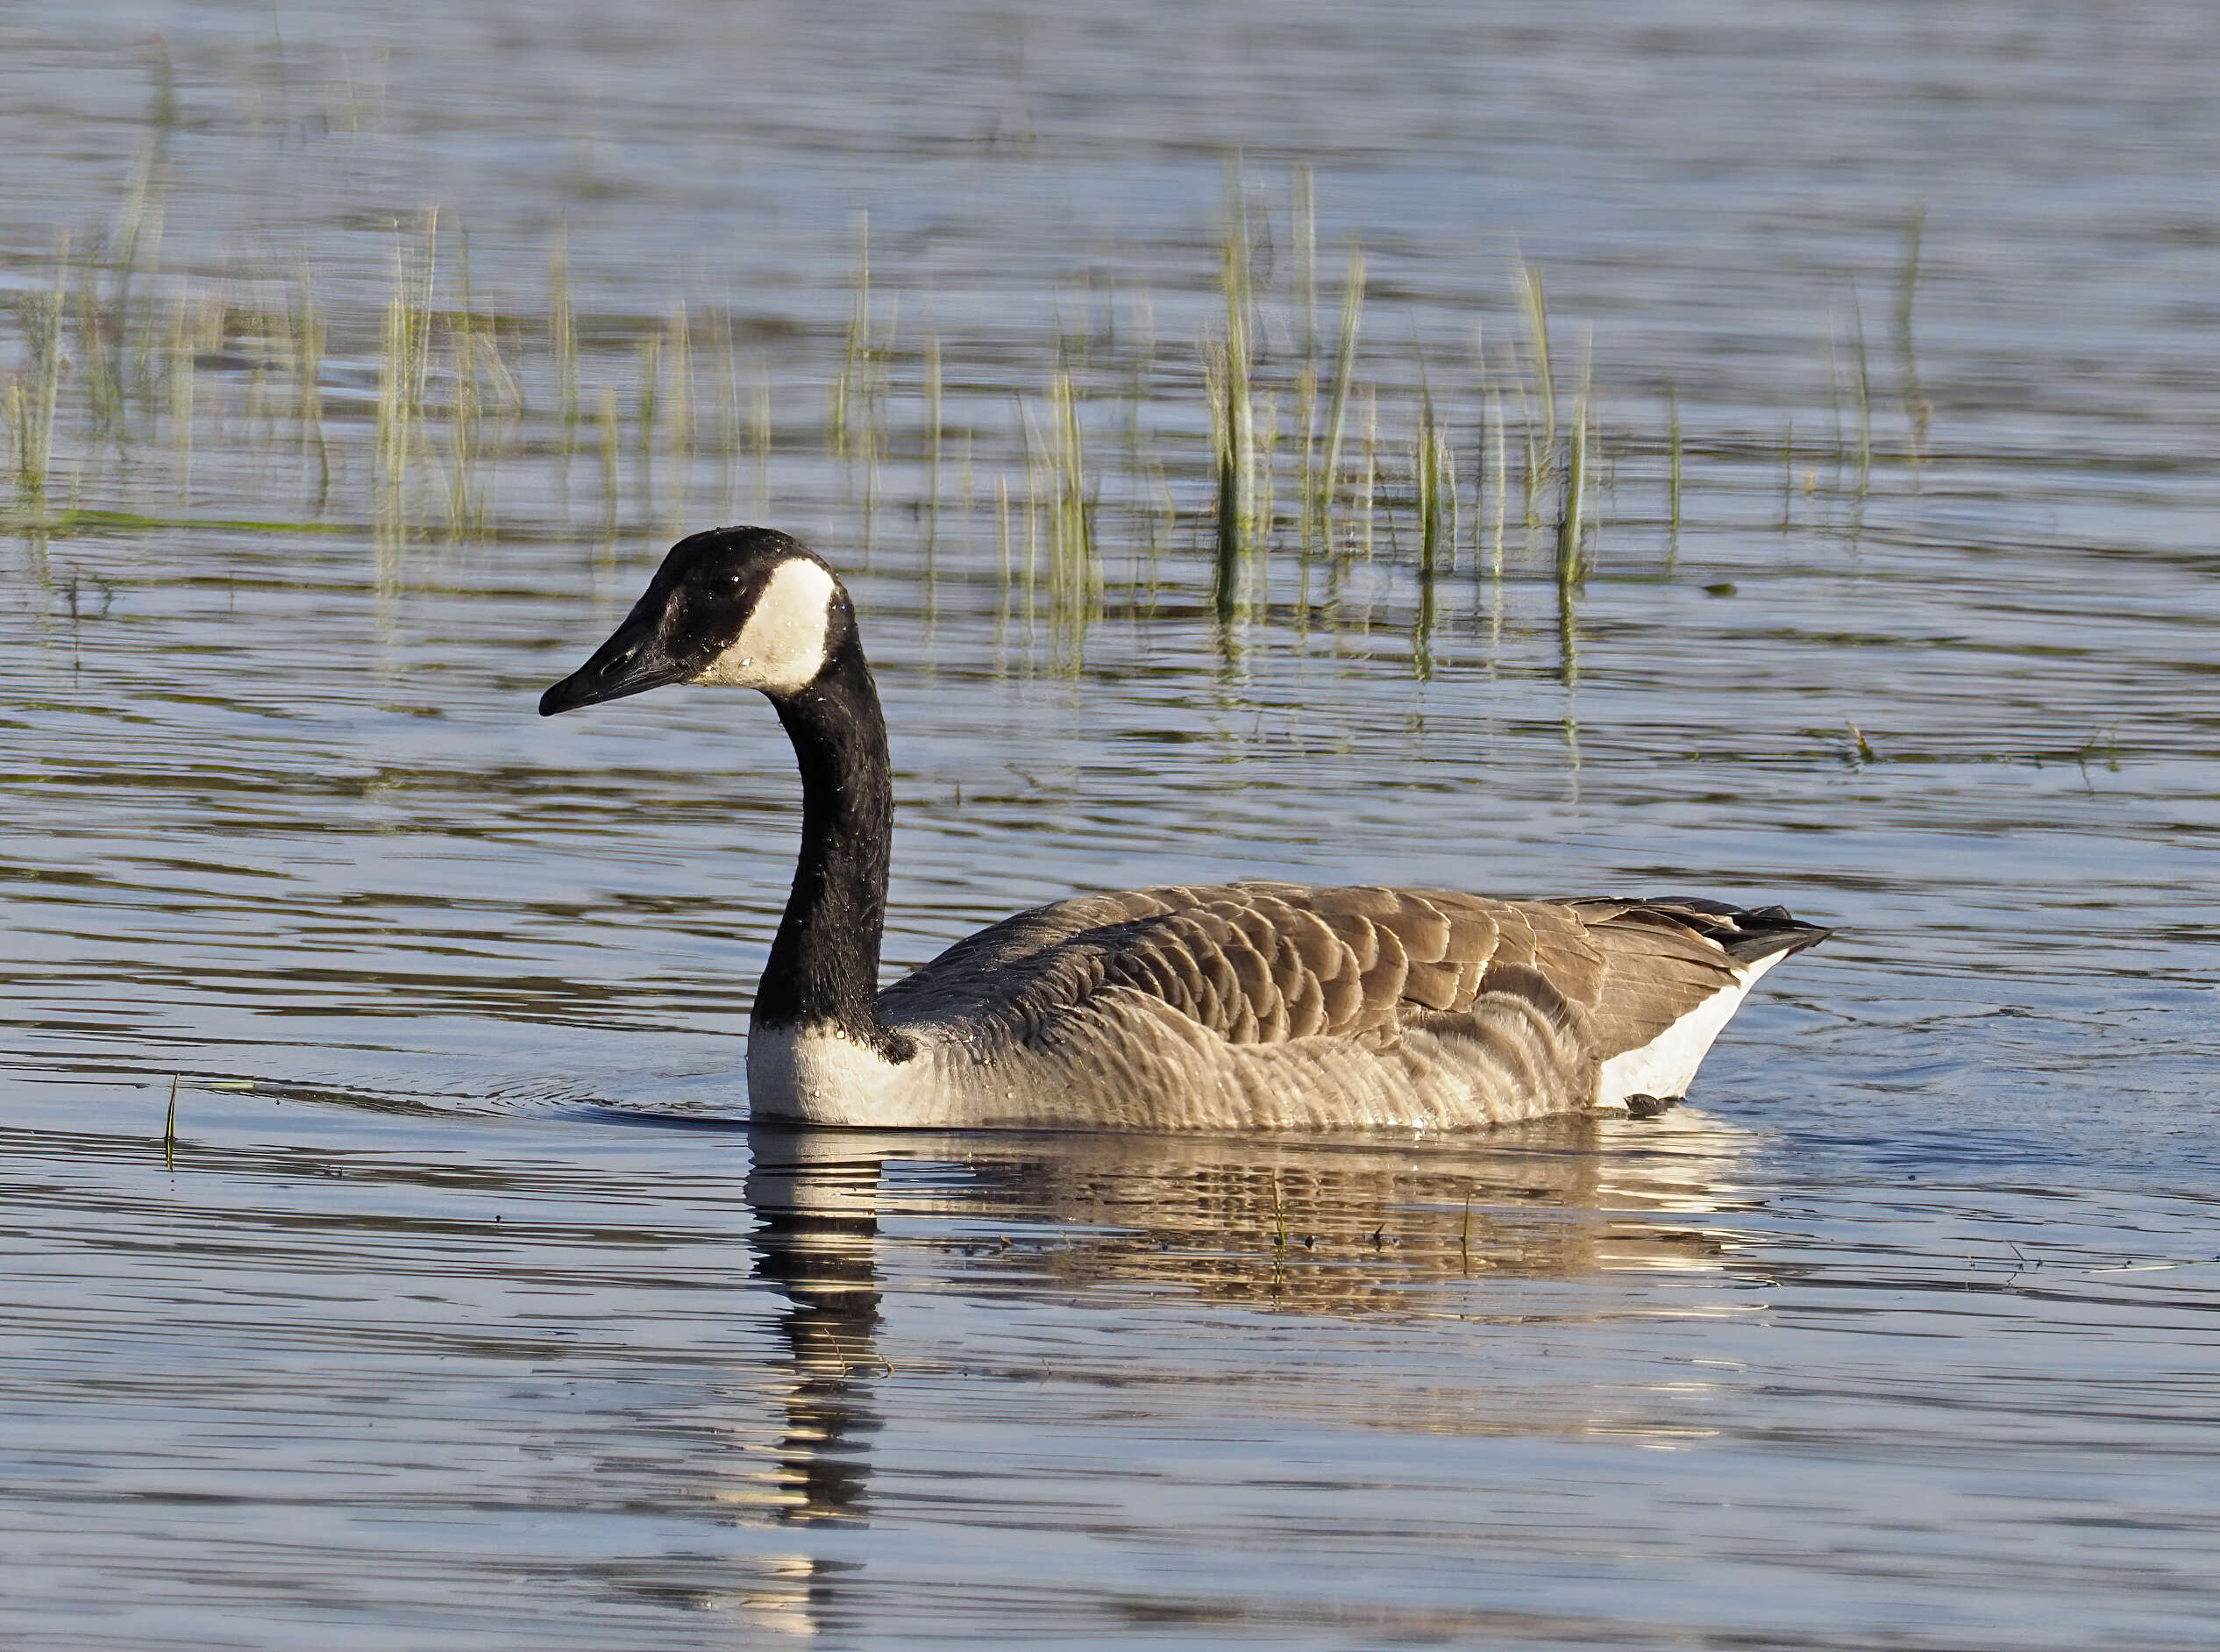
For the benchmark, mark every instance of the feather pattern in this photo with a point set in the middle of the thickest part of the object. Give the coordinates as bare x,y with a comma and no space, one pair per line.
1227,1006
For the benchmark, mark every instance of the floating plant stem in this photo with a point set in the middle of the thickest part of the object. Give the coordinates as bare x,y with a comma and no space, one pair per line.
98,353
562,335
1480,448
182,386
844,388
760,434
1672,478
932,447
1916,408
403,366
1436,488
611,450
1344,376
1306,393
139,236
308,363
1232,416
1002,528
1788,473
1503,486
1075,572
1864,383
1567,637
32,397
1570,568
465,505
678,345
1371,467
728,436
1535,305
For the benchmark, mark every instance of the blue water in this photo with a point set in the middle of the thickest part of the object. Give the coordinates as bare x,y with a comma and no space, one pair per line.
467,1310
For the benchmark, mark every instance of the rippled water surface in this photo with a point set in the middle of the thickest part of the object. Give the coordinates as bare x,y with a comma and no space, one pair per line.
467,1309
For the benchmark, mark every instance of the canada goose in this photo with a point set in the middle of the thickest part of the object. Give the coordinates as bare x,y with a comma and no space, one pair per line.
1232,1006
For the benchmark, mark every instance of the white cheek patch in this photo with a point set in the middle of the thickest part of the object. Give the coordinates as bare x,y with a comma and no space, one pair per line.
781,648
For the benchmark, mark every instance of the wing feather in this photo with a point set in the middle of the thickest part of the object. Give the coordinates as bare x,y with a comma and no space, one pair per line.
1269,963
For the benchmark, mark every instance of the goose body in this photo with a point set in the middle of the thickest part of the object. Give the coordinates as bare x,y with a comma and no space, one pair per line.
1243,1006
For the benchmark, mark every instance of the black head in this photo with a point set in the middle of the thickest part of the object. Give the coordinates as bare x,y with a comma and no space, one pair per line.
746,606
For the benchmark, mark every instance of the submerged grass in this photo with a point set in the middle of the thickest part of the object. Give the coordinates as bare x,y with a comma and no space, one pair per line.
404,368
538,420
1233,416
1329,473
33,397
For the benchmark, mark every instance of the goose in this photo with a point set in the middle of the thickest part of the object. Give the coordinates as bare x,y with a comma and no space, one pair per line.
1219,1007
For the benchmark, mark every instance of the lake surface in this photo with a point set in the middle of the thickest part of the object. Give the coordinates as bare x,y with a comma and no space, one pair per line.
465,1308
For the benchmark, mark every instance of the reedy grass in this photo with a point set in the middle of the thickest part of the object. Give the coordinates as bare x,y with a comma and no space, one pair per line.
729,442
680,412
1501,465
611,449
1075,569
562,337
99,349
1787,475
305,322
139,239
404,366
761,433
1541,444
1571,515
464,390
1916,410
1364,510
845,388
933,421
33,397
646,411
1864,383
1434,476
1329,473
1232,414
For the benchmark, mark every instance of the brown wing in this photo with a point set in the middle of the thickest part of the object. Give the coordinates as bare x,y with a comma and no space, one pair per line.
1265,963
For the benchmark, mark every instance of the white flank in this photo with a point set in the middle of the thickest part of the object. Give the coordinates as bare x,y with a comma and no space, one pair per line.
1666,1065
781,648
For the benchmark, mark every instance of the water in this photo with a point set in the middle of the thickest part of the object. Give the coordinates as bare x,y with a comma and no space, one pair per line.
467,1309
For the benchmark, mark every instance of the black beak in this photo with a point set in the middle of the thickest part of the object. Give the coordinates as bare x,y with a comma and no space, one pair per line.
632,662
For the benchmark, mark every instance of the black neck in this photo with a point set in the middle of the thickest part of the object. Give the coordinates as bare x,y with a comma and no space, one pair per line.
824,969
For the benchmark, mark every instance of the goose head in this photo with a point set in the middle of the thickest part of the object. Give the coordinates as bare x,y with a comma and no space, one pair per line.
747,608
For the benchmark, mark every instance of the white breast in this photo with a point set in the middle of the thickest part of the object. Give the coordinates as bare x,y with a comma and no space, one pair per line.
815,1075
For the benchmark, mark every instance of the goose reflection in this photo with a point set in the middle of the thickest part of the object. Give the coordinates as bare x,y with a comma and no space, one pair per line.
1335,1227
1314,1225
1351,1227
815,1196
